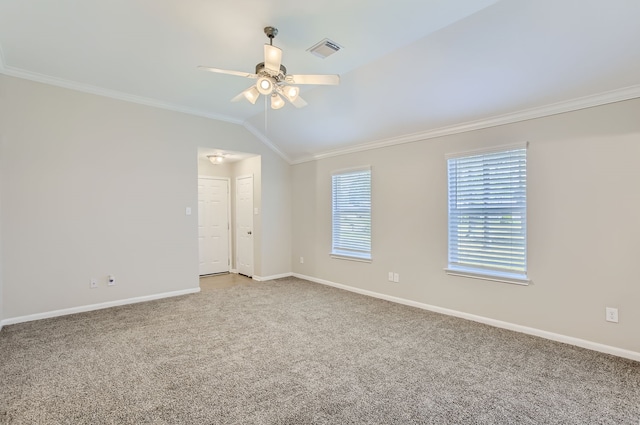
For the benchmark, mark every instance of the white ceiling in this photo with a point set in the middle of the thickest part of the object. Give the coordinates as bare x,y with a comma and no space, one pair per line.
409,68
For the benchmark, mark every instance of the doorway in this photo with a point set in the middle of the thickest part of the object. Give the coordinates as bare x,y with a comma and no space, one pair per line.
242,174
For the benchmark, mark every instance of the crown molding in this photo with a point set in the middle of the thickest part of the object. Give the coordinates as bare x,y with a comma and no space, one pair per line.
584,102
87,88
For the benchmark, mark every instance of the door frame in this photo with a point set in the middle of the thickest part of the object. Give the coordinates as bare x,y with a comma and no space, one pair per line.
229,223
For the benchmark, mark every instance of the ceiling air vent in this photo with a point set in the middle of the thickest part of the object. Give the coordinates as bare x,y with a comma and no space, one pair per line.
324,48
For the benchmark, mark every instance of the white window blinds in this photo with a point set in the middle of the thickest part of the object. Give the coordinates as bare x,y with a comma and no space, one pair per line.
351,212
488,213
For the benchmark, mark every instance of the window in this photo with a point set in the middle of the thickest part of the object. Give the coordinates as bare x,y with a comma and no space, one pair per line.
488,214
351,214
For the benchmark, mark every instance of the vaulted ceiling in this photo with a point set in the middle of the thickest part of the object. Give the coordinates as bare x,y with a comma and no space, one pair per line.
409,69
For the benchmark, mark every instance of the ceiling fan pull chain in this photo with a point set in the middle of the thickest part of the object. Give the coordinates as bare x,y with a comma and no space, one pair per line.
266,109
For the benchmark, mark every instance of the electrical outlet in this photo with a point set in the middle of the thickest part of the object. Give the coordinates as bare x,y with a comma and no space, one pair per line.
390,276
94,283
301,260
396,277
111,281
611,314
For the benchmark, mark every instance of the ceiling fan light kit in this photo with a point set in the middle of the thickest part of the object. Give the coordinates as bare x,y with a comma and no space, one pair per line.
276,101
273,80
291,93
265,85
251,94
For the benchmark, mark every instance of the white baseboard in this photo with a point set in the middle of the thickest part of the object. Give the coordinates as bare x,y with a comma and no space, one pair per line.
595,346
91,307
275,276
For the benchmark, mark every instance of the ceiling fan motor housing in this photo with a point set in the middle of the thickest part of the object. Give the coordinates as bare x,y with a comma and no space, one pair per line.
262,71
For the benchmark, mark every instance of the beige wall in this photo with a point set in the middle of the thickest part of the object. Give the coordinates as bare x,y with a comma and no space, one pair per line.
1,178
93,186
583,210
276,220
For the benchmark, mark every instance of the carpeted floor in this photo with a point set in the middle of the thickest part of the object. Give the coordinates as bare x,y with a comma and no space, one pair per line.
293,352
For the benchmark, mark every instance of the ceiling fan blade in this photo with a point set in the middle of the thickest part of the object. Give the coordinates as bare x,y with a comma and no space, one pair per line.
299,102
251,94
272,58
226,71
330,79
239,97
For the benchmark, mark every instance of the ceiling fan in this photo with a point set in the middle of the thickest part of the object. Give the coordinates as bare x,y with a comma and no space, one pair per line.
273,80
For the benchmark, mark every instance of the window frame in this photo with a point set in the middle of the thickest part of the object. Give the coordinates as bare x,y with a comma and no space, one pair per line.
340,252
486,273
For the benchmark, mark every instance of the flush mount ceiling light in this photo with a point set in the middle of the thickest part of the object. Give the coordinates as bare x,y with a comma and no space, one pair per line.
216,159
272,78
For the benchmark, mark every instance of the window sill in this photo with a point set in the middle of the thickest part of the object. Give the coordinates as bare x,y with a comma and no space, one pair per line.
350,258
483,275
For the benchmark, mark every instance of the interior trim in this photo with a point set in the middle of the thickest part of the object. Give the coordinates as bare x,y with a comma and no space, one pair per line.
113,94
275,276
91,307
487,276
612,96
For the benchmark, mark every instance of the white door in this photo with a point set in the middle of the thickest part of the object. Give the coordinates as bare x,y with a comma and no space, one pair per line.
244,225
213,225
